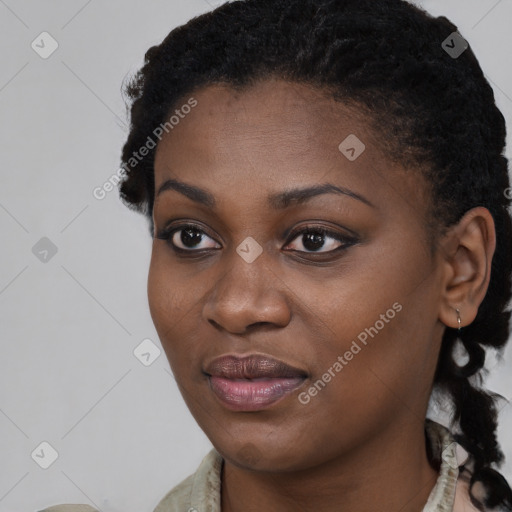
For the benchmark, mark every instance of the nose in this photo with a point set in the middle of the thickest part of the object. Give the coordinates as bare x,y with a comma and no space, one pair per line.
247,294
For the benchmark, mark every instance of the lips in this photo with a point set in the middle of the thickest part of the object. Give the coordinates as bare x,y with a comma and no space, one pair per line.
253,382
252,367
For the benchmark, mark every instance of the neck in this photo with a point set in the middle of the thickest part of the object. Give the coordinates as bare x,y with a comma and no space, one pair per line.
390,472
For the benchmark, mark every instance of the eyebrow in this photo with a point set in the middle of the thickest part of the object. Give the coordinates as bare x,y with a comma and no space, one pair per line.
277,201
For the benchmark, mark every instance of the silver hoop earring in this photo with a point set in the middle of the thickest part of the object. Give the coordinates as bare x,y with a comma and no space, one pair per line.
458,319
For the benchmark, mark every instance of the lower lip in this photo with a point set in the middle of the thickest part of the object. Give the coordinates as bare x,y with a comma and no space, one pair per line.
252,395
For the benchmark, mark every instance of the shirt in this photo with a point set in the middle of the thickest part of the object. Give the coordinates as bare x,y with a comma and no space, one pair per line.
200,491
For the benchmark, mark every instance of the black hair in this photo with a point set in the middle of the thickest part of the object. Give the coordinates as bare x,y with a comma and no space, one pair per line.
432,110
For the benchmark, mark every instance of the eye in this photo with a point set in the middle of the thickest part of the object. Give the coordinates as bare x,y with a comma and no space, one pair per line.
314,238
187,238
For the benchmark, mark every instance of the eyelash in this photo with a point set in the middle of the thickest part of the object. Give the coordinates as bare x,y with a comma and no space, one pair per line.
347,241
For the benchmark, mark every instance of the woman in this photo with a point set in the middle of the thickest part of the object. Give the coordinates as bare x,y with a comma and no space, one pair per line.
332,251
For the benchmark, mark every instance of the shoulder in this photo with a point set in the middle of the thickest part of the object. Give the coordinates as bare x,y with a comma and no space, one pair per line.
462,502
451,492
199,491
69,508
178,498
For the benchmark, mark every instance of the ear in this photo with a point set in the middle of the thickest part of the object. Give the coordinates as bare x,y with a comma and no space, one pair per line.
467,251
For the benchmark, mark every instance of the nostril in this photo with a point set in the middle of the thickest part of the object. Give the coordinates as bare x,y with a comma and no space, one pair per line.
257,324
214,323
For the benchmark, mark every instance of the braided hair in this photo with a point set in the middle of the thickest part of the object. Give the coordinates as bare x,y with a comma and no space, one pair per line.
437,112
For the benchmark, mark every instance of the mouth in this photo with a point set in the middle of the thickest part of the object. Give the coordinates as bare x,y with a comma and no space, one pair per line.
252,382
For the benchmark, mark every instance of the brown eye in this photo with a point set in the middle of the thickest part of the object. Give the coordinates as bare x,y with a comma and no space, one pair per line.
320,240
188,238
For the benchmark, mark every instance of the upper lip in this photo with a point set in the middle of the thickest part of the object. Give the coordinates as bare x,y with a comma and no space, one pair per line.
252,367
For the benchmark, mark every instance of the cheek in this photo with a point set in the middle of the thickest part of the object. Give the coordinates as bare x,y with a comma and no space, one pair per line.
388,376
171,294
162,303
175,297
170,299
378,319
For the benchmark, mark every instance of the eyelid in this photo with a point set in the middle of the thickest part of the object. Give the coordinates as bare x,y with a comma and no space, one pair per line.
320,228
313,225
169,228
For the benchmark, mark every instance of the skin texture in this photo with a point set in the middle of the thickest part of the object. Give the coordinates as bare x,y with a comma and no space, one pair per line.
359,444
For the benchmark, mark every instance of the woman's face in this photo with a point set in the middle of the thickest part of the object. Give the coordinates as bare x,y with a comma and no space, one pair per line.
353,312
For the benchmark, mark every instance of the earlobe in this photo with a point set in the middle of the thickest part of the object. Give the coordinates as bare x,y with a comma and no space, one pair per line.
467,266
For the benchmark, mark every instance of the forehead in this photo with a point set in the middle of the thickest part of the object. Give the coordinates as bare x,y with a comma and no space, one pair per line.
277,133
298,113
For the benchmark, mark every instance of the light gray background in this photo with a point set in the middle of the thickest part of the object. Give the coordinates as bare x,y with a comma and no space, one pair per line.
69,327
